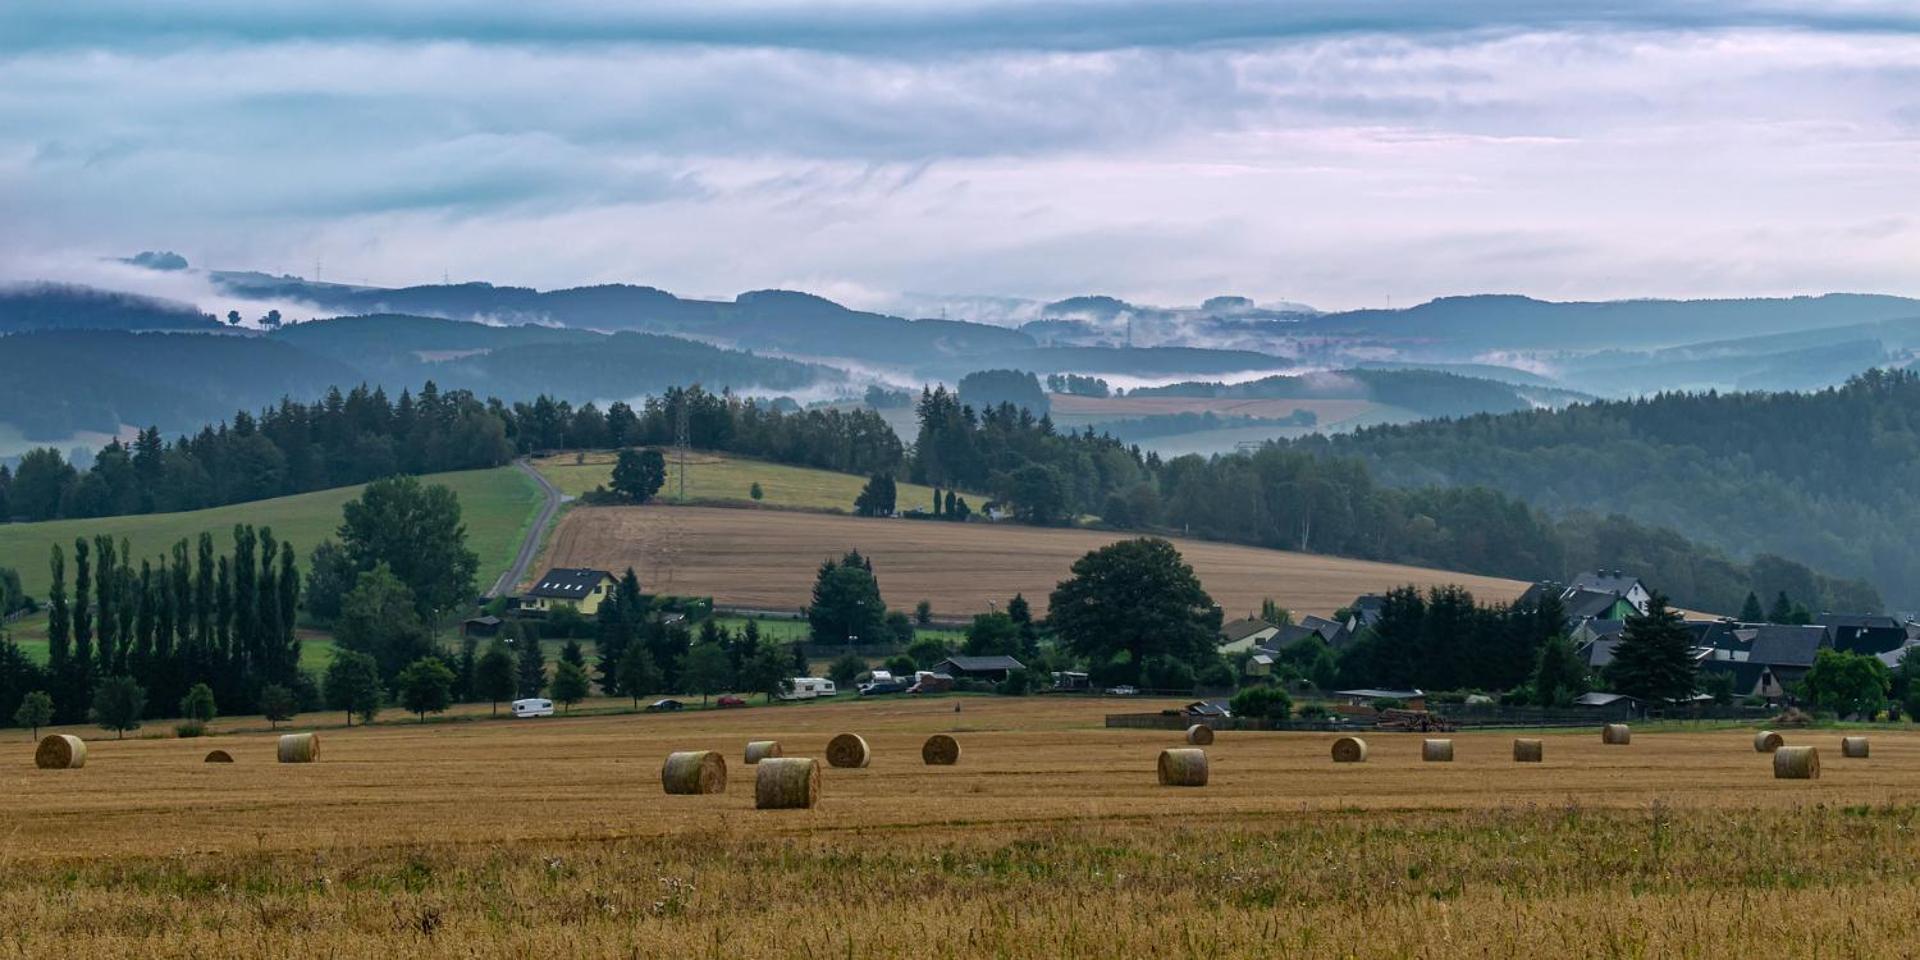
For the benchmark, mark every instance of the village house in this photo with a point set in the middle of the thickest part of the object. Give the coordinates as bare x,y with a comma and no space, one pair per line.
580,588
1242,635
977,668
1409,699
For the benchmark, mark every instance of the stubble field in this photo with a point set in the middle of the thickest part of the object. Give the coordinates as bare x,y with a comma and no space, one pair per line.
1049,839
767,560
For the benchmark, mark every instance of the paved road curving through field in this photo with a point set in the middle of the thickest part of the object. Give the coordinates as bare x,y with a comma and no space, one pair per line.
530,548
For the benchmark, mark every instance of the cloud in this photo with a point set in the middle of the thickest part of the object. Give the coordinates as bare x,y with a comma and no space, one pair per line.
886,27
1333,153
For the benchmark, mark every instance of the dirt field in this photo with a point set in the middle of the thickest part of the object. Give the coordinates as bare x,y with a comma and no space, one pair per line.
1049,839
767,560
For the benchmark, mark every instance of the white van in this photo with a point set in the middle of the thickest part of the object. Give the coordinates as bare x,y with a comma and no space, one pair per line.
807,688
533,707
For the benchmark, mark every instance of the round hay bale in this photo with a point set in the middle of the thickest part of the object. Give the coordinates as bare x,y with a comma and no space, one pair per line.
1617,734
758,750
300,748
786,783
848,750
1853,747
60,751
940,750
219,756
1349,750
1766,741
1200,735
694,771
1436,751
1183,767
1796,763
1529,751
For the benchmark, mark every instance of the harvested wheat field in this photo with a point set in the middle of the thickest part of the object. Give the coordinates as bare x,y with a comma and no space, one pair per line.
767,560
1054,839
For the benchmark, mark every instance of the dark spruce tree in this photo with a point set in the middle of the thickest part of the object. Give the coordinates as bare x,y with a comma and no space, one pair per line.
1654,658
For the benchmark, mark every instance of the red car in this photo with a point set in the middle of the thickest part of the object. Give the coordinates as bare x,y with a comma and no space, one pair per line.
730,701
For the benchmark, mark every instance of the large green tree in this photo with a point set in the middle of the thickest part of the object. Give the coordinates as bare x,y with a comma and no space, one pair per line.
846,602
1558,676
1849,684
415,529
570,684
381,619
425,686
493,676
1138,598
639,474
1654,658
353,685
706,670
118,704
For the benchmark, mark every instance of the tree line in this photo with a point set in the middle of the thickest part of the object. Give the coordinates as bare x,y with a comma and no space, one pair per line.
191,616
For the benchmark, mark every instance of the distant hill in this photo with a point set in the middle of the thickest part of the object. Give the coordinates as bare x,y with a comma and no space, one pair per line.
52,306
777,320
58,383
1826,478
1524,323
1429,393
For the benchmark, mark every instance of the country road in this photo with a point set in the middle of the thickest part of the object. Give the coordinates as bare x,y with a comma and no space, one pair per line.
530,548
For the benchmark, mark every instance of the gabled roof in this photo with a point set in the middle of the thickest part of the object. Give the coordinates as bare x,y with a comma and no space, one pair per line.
983,664
1782,645
1717,634
1597,699
1583,604
1366,608
1289,634
1329,630
1746,675
1857,620
1606,581
1600,629
1380,694
568,583
1239,630
1598,653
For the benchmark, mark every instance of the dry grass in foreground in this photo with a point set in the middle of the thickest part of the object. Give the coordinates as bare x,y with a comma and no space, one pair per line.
767,560
1049,839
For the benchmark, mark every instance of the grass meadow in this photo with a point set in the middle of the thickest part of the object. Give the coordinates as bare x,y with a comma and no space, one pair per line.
1050,838
498,505
719,479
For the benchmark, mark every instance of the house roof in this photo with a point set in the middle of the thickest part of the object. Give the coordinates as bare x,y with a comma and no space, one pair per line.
1857,620
1381,694
1239,630
1367,606
1289,634
1599,629
1597,699
1598,653
1893,657
486,621
1584,604
1329,630
568,583
1606,581
1540,591
1783,645
1264,659
1746,674
1717,634
983,664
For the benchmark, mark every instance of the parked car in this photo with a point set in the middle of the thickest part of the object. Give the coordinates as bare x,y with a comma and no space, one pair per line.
665,706
1123,690
533,707
730,701
882,688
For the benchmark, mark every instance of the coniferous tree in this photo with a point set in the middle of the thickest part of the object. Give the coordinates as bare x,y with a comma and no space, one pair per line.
80,665
59,627
1654,658
1750,611
531,664
1782,611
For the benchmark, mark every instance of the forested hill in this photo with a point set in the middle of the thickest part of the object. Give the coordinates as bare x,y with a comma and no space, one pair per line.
1830,478
781,320
1429,393
56,384
53,306
1524,323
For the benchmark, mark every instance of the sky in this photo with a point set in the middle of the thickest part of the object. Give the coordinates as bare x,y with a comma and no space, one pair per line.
912,155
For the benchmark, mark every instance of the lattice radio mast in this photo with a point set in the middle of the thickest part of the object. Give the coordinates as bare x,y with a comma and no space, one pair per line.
682,441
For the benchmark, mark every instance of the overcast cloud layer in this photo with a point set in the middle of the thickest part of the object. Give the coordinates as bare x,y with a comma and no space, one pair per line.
1337,153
